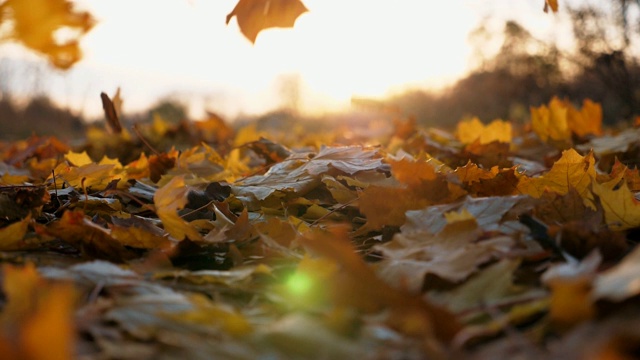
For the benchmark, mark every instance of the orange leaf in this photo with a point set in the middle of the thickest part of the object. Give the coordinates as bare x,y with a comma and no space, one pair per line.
37,320
256,15
587,121
553,4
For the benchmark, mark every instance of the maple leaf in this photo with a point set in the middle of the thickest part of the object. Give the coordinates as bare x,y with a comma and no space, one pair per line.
471,130
587,121
357,284
256,15
572,170
632,177
35,23
168,200
453,254
550,122
621,209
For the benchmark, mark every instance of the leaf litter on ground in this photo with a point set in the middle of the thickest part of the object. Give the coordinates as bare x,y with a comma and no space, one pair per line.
249,243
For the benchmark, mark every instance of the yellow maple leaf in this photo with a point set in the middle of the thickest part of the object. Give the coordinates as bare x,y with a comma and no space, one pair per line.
572,170
550,122
36,24
168,200
621,209
471,130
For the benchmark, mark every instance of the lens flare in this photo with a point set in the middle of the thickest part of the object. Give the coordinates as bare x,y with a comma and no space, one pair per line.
299,284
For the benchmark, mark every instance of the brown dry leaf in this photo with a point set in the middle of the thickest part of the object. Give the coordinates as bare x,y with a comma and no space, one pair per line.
488,155
168,200
621,281
494,182
621,209
356,284
555,208
302,172
572,170
632,177
94,241
386,206
550,122
36,22
160,164
453,254
491,215
37,319
257,15
471,130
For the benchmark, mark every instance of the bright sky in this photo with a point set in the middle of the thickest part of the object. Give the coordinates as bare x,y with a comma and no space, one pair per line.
340,48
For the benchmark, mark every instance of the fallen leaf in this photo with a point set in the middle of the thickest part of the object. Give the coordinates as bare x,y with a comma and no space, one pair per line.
12,236
550,122
167,201
34,307
621,209
572,170
471,130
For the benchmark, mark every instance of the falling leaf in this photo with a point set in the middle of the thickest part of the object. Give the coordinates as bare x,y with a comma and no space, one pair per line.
168,200
553,4
35,23
257,15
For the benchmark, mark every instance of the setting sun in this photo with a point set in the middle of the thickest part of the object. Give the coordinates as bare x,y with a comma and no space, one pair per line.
337,50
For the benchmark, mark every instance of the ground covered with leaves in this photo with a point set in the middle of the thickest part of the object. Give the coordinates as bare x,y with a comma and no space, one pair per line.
380,240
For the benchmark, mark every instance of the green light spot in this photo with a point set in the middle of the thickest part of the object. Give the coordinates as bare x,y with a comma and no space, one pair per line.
299,284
